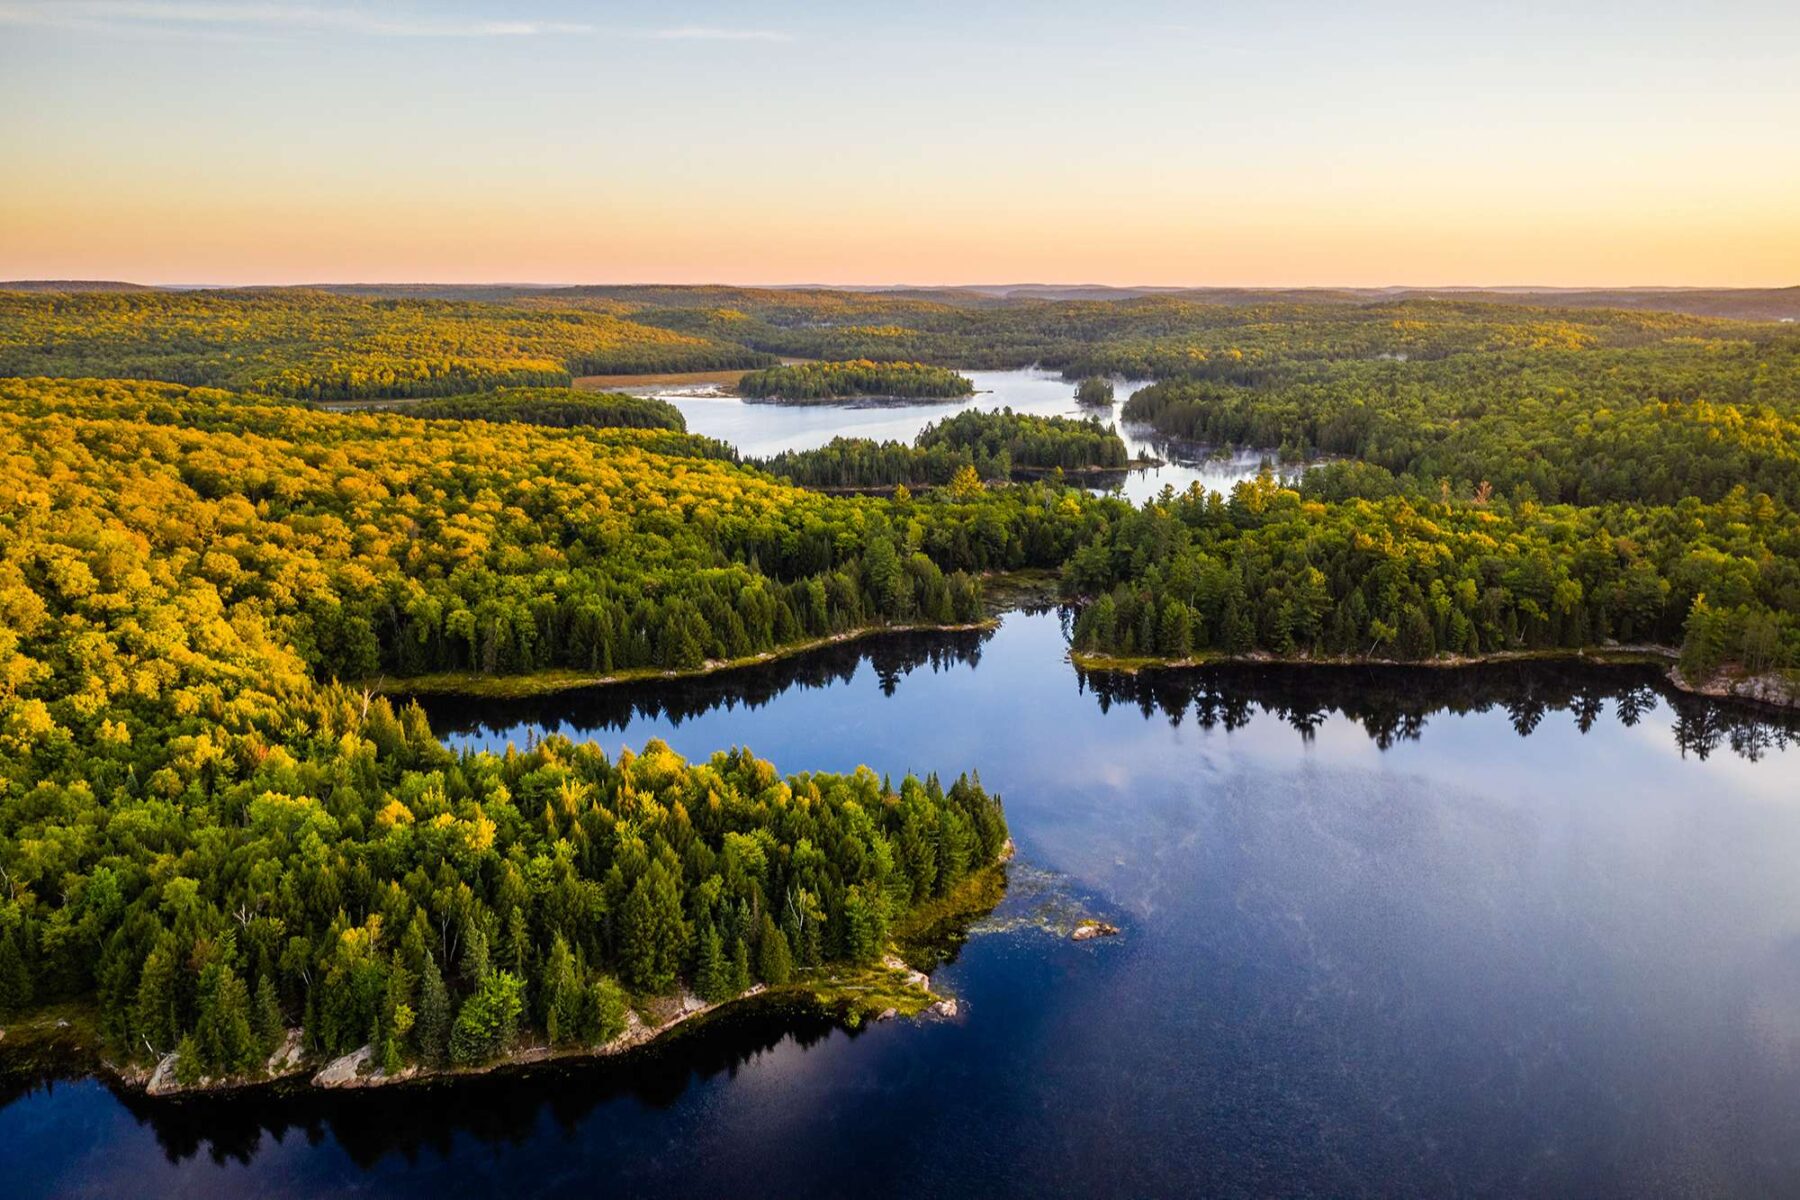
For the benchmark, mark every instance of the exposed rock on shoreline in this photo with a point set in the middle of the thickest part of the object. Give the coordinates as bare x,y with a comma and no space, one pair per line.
360,1069
1776,689
1091,929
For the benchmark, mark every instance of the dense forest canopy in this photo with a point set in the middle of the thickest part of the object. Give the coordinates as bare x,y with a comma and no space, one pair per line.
1682,417
382,543
1142,337
201,828
559,407
1413,577
314,345
209,836
813,382
368,342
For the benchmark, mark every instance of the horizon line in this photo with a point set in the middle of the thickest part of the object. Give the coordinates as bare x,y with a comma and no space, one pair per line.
919,287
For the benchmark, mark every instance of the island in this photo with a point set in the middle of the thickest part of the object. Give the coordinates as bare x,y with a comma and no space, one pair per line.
859,379
971,447
1094,392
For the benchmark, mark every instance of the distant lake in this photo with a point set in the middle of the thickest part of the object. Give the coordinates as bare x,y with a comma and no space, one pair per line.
762,430
1521,930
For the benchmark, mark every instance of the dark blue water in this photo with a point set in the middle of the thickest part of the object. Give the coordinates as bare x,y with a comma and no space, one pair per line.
1522,931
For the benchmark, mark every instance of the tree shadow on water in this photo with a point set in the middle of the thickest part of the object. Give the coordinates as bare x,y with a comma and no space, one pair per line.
505,1107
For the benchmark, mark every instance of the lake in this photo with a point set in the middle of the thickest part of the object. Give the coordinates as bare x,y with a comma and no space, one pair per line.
762,430
1519,930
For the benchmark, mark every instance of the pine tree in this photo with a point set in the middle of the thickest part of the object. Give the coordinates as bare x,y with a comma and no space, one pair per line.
188,1067
712,979
271,1025
775,961
863,926
561,992
475,964
650,933
431,1032
15,977
739,981
154,1022
222,1036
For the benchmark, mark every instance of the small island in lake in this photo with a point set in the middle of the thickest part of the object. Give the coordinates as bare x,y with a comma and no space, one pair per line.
993,446
1094,392
860,379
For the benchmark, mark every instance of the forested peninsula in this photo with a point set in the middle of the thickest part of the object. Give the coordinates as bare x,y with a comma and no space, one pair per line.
213,844
217,845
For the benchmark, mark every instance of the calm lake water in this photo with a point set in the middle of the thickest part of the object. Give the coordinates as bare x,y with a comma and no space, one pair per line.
761,430
1510,931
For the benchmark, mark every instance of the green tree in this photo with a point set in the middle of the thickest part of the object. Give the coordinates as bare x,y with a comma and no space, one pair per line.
155,1023
712,974
604,1012
775,960
561,991
488,1020
223,1037
271,1023
431,1032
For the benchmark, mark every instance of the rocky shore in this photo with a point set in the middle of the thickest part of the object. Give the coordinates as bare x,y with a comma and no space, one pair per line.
889,990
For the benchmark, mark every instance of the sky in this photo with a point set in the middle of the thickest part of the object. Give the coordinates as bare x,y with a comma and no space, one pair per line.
1285,143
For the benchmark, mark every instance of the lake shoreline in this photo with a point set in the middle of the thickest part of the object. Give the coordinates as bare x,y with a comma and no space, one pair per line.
561,679
1765,690
60,1048
858,401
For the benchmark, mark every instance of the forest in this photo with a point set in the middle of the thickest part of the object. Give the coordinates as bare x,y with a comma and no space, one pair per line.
212,828
821,382
381,543
1142,337
1410,577
991,445
205,832
1656,423
313,345
559,407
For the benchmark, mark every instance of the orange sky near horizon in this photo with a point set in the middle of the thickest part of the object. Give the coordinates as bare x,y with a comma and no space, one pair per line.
268,143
